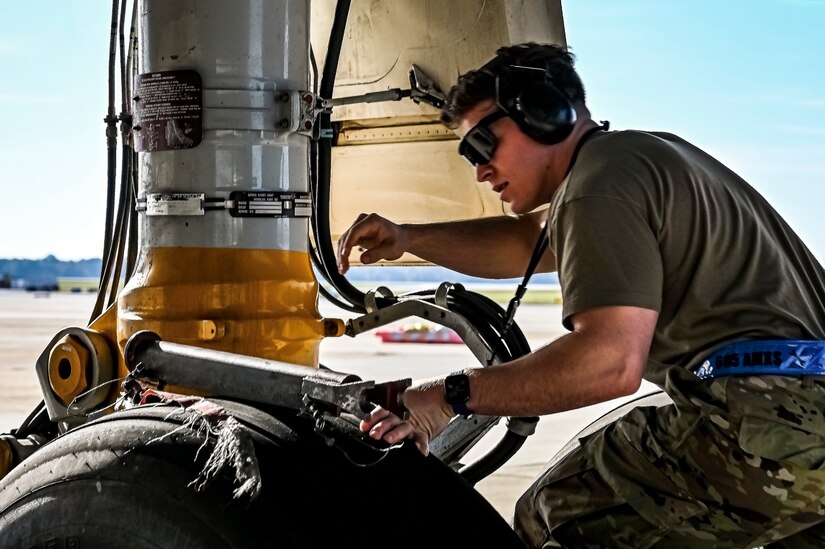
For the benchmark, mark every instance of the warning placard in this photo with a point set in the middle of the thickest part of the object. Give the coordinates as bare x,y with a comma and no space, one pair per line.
168,110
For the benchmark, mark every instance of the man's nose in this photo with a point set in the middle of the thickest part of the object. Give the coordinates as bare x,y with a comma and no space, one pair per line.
483,172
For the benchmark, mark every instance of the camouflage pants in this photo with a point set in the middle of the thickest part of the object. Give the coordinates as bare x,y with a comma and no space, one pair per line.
745,471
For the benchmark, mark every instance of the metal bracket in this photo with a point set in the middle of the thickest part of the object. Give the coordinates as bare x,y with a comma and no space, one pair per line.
282,111
303,112
99,371
422,90
461,434
358,397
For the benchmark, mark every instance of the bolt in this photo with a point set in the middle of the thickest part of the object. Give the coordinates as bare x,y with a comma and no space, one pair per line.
284,123
69,363
284,97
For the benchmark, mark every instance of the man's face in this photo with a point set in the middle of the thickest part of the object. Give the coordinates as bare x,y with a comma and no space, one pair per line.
519,168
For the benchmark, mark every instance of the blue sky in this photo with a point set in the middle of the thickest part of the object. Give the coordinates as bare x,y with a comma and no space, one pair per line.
743,79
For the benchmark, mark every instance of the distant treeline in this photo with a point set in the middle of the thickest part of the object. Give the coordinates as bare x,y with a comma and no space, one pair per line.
45,272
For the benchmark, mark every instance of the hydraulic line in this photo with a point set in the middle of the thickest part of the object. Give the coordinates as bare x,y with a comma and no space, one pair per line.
504,339
322,157
120,238
111,135
37,417
497,456
125,205
111,164
132,233
509,343
131,213
121,227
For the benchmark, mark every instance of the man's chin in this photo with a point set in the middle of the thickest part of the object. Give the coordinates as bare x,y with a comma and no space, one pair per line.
516,208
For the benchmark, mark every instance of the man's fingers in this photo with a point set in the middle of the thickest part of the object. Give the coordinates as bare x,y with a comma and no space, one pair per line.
383,428
381,424
398,431
343,253
377,414
352,237
344,248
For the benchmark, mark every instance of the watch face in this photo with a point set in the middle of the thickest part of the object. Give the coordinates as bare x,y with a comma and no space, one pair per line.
457,388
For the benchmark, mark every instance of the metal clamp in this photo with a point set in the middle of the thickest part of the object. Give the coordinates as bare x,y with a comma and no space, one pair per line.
277,204
287,111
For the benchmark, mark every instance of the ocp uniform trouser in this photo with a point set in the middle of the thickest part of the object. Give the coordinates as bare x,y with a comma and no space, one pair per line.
746,471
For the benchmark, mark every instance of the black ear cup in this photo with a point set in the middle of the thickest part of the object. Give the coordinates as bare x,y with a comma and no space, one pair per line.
531,98
543,112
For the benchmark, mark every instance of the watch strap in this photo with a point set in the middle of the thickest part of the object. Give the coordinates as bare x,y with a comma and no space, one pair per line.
457,392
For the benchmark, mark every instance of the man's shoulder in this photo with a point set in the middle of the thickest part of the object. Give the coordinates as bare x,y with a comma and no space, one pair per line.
631,151
635,140
624,163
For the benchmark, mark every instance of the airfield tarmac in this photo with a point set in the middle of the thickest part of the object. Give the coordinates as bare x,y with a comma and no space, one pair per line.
28,321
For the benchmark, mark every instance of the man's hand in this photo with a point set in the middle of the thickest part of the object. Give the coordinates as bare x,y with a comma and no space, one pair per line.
377,237
429,414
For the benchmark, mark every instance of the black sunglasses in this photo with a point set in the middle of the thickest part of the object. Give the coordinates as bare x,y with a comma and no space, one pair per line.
479,144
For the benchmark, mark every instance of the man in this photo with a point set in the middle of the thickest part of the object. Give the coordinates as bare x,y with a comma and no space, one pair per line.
664,258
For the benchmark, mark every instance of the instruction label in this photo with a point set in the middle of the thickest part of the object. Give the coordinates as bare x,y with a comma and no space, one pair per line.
174,204
269,204
168,110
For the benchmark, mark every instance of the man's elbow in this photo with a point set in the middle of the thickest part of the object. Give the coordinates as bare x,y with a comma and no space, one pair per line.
628,378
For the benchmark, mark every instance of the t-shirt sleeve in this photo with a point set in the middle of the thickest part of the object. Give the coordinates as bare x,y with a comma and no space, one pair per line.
607,255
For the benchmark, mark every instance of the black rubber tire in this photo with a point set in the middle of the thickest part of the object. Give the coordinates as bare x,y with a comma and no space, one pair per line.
104,485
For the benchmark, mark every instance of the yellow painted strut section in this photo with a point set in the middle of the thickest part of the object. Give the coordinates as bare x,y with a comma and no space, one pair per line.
261,303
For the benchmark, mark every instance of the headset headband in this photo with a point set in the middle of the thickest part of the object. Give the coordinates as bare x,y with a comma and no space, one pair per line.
529,95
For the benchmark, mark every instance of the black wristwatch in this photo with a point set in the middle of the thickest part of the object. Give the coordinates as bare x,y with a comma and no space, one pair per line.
457,393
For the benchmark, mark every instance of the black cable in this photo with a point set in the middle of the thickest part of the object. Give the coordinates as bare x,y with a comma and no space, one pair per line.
121,227
325,292
335,301
120,238
322,159
336,39
32,421
122,46
111,162
132,233
123,223
497,456
314,64
489,320
487,317
320,173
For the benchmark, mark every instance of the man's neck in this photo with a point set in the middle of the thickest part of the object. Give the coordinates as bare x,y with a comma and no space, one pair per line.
567,148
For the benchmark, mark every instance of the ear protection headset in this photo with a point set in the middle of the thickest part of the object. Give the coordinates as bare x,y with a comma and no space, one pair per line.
530,97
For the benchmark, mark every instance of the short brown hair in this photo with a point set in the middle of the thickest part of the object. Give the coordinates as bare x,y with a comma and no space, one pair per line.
479,85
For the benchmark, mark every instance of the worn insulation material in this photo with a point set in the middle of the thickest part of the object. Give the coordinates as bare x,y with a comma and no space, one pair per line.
231,443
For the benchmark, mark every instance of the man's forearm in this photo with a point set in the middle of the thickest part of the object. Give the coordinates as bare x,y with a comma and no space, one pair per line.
587,366
498,247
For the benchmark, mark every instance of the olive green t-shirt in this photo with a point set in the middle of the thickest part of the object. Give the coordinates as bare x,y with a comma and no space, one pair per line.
648,220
